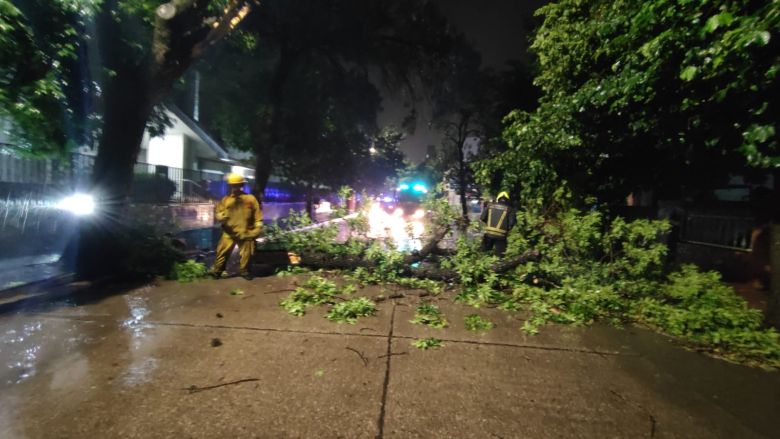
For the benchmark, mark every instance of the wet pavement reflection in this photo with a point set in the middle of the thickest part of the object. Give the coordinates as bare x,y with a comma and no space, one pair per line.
120,366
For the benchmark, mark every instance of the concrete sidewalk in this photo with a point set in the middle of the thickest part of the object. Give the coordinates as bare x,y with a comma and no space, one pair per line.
191,360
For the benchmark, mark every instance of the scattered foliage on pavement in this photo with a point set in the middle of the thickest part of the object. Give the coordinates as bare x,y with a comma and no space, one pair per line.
474,322
427,343
429,315
349,311
188,271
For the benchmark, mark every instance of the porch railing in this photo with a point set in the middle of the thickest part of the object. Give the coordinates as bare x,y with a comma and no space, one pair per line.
733,232
43,178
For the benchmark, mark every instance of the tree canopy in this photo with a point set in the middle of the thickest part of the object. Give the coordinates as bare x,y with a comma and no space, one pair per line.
655,94
362,43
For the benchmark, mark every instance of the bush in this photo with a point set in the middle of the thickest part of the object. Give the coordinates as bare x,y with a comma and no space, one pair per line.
152,188
188,271
595,269
697,307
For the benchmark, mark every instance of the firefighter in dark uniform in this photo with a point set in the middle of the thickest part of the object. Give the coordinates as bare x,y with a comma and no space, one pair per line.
499,218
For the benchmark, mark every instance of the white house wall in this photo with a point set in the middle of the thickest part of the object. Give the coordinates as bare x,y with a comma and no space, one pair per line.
167,150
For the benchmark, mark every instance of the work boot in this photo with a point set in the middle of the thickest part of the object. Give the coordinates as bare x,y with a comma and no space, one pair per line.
213,275
247,276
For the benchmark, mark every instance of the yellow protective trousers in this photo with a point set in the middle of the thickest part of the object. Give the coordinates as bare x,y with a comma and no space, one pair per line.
246,248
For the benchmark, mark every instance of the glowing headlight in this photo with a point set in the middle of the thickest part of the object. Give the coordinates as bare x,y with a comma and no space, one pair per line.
78,204
398,212
418,214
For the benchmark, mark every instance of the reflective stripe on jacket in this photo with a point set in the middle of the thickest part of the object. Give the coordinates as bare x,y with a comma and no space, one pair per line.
497,222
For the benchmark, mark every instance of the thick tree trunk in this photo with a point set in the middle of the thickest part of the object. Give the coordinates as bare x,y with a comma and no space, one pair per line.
123,129
263,169
266,144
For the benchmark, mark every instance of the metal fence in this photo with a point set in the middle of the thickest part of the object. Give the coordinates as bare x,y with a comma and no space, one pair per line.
22,177
733,232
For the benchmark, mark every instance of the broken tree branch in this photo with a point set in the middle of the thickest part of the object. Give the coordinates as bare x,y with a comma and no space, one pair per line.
195,389
360,354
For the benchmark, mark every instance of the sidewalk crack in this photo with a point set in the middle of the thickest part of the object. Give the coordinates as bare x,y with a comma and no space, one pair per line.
381,422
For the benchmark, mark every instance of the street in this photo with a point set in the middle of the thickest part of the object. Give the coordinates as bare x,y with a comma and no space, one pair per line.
192,360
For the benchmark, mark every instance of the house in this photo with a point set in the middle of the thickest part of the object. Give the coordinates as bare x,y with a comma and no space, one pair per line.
188,156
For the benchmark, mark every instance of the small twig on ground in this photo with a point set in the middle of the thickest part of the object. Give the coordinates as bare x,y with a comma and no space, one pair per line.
392,353
401,296
367,329
360,354
284,290
247,297
195,389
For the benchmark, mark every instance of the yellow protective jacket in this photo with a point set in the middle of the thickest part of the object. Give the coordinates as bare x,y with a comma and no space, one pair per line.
241,216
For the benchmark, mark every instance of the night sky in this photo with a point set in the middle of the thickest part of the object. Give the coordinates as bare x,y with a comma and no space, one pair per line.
498,29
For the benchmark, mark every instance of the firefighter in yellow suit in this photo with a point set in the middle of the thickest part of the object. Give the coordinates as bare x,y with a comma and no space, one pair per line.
242,222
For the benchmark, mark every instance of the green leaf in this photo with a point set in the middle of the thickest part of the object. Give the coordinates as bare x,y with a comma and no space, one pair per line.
688,73
716,21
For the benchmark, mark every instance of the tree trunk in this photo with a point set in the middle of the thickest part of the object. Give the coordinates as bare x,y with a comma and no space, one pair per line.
310,201
462,185
97,251
266,144
462,136
773,310
123,129
263,169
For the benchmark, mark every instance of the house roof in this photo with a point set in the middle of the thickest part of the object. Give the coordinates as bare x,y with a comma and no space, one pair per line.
200,132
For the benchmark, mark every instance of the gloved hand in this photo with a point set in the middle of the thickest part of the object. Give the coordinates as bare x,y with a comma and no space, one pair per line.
253,233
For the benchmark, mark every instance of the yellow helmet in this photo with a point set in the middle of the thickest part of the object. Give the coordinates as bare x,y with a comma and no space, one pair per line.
502,194
235,179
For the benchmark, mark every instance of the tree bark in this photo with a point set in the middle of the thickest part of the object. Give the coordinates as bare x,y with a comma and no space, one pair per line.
266,144
125,119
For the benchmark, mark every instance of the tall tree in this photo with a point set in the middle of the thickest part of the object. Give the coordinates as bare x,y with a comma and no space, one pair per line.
42,80
459,100
376,38
664,95
143,47
649,95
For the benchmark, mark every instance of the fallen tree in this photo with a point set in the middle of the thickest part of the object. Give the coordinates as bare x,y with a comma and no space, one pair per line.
563,266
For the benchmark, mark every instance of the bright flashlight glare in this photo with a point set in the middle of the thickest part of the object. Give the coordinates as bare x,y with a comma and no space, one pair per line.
387,199
418,214
405,234
78,204
420,188
403,187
